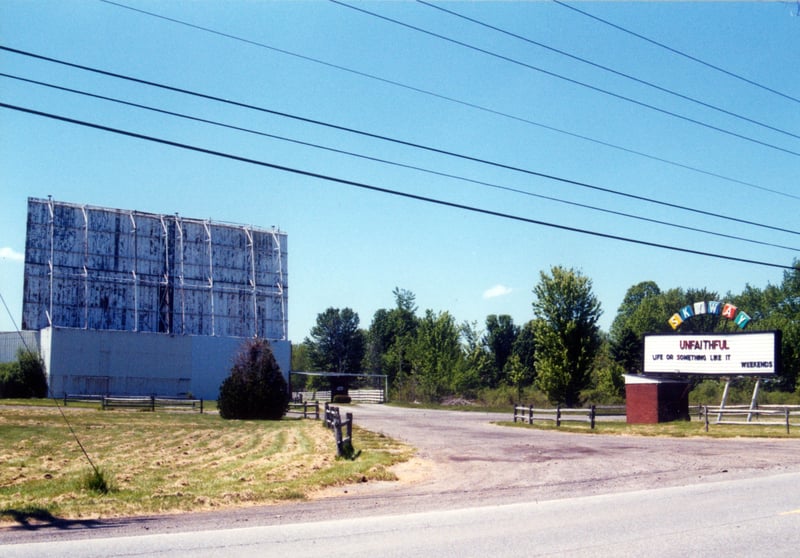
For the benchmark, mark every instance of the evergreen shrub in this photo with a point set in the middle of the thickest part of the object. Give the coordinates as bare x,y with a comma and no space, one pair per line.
256,388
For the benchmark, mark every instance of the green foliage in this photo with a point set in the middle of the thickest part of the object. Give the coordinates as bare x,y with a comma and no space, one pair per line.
505,396
25,378
501,333
436,355
256,388
525,350
778,308
97,481
391,336
336,343
566,333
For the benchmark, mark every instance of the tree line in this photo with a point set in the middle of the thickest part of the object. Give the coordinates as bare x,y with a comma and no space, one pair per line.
561,354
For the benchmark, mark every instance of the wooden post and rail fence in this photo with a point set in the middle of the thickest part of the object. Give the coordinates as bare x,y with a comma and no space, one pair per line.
342,430
305,409
589,415
744,415
144,402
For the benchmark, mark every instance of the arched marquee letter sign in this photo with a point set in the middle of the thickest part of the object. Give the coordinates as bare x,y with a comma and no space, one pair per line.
717,354
715,308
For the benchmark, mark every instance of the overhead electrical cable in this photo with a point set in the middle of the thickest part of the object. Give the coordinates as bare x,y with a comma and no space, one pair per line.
384,190
570,80
679,52
393,163
49,391
398,141
612,70
451,99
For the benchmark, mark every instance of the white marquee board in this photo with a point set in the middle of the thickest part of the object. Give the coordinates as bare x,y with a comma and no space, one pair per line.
753,353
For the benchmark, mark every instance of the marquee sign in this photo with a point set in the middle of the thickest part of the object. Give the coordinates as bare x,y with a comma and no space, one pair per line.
752,353
713,307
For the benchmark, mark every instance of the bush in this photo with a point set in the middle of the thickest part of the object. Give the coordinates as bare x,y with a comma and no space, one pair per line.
24,378
256,388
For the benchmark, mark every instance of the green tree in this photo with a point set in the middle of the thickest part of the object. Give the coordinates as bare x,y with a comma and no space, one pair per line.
475,363
24,378
501,333
777,307
525,349
301,362
437,355
336,343
391,336
641,311
566,333
256,388
608,382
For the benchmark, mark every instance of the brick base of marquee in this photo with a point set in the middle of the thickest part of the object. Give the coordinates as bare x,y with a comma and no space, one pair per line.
652,400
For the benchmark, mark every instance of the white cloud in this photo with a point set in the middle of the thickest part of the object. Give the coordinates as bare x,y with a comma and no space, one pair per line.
496,291
7,253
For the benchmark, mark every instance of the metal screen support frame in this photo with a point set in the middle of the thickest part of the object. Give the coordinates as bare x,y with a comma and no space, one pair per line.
279,284
210,275
253,286
51,209
133,273
85,267
179,232
166,278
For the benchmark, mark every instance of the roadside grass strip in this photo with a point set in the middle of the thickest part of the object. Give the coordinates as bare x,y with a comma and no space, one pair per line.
158,463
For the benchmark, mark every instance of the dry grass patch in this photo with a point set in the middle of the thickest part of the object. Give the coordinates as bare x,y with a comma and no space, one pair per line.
165,462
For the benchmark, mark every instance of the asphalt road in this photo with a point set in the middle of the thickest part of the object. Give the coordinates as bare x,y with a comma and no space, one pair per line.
746,517
467,472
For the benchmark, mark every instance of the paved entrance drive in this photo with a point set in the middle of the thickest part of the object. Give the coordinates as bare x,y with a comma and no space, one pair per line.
465,459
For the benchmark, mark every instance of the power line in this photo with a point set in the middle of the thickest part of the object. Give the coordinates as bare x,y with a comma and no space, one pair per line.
397,141
450,99
394,163
678,52
612,70
49,391
383,190
569,80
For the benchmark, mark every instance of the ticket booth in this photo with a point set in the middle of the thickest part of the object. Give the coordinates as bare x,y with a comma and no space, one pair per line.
650,400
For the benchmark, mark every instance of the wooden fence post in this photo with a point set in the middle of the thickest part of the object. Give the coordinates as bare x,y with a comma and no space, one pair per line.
558,415
592,415
705,414
786,412
530,414
337,433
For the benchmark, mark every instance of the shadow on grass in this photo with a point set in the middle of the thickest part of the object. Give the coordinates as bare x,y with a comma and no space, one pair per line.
33,519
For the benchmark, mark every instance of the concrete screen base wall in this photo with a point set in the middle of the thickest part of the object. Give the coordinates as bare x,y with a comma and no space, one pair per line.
654,400
130,363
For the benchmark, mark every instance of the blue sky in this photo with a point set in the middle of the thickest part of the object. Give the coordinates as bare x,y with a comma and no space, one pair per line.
350,247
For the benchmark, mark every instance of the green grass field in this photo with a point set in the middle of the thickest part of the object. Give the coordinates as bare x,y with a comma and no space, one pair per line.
166,462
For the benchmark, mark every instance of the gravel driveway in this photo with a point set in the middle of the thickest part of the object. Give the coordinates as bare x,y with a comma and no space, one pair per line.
465,460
